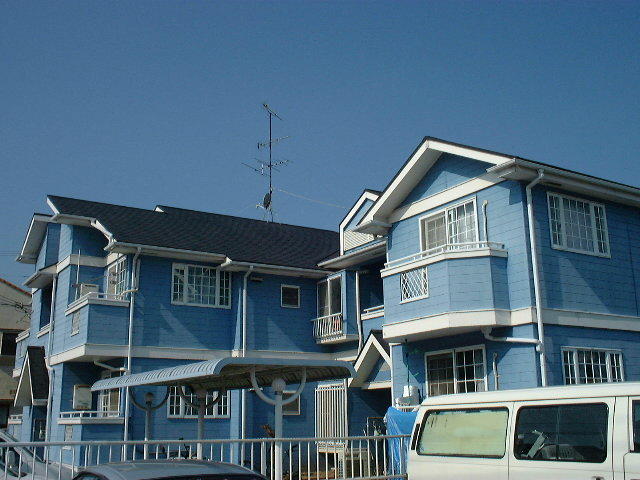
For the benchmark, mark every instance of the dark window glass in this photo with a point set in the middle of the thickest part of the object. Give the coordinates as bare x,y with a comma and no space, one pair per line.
336,295
290,296
323,307
8,344
636,426
562,433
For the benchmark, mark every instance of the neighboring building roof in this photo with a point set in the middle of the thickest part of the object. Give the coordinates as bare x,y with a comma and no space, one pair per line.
240,239
374,348
15,287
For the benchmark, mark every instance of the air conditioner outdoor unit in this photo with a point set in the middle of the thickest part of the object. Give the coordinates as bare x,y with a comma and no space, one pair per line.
86,288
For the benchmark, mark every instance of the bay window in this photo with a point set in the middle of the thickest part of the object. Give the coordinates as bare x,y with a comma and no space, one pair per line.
453,225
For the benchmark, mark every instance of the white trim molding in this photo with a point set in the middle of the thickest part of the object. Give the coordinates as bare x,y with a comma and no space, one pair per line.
97,298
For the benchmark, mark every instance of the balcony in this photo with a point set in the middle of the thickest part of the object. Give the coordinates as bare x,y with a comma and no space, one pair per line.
97,298
444,252
331,329
15,419
78,417
373,312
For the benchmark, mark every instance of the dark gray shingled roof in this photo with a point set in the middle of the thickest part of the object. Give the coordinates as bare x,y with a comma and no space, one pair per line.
240,239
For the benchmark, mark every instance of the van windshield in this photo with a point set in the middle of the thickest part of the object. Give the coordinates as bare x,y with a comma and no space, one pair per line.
478,432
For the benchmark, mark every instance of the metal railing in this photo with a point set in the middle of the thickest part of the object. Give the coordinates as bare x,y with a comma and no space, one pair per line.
328,327
446,248
372,312
89,414
359,458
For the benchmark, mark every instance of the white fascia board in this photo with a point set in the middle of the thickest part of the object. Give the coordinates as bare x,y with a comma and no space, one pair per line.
151,250
52,207
378,248
413,171
233,266
367,360
33,239
524,170
363,198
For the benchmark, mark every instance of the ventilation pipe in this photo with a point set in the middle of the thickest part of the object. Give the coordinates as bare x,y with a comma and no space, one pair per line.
536,276
132,298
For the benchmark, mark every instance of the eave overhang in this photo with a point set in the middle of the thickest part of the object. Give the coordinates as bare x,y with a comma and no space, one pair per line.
526,170
367,359
42,277
33,239
364,254
235,266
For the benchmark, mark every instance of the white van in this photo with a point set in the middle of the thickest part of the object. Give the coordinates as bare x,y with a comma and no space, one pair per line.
587,432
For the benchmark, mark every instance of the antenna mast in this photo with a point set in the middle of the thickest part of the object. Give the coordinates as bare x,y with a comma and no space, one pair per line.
271,165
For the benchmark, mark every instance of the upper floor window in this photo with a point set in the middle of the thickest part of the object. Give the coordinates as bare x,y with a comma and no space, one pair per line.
591,365
453,225
290,296
179,408
330,297
578,225
199,285
117,276
414,284
8,345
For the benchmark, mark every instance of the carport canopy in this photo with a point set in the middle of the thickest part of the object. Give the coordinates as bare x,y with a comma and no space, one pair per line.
233,373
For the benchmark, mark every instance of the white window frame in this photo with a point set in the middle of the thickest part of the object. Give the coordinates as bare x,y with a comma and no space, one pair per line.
218,291
563,223
328,303
105,396
422,220
118,267
453,352
425,284
285,395
282,304
182,407
574,366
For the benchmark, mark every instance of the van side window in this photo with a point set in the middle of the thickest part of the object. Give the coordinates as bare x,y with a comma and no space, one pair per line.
636,425
480,432
562,433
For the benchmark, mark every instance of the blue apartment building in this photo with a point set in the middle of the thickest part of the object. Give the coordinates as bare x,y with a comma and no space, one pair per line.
472,270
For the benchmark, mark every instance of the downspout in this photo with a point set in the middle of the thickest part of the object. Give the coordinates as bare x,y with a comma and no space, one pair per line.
485,228
243,400
358,313
132,297
52,319
536,277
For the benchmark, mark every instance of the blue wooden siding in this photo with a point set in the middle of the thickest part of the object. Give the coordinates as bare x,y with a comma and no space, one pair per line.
576,281
448,171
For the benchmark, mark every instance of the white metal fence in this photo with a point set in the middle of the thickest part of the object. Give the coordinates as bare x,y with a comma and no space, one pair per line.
358,458
328,327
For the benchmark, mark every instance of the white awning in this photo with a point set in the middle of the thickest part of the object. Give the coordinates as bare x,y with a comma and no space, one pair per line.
232,373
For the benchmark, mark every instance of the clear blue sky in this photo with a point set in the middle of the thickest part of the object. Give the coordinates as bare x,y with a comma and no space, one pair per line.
157,102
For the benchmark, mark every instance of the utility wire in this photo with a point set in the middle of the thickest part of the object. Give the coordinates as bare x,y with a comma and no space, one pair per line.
312,199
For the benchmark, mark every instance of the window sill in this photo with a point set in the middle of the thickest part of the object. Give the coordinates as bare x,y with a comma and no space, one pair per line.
582,252
182,304
44,330
415,299
290,306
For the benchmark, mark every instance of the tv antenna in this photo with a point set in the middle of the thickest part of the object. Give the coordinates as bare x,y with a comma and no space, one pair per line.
266,168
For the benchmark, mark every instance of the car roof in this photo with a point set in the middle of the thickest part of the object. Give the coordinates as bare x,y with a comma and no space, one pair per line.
618,389
151,469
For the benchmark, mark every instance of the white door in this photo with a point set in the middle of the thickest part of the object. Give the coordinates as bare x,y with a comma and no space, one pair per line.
468,441
562,440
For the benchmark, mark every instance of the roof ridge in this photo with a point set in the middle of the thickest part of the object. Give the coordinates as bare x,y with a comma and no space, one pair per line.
12,285
103,203
245,218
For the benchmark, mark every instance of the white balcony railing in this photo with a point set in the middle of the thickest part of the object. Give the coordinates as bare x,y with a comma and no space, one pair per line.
446,248
15,419
98,297
89,414
373,312
328,327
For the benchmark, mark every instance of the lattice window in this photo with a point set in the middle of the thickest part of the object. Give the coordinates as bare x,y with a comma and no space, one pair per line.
456,371
200,285
117,276
414,284
591,366
177,407
578,225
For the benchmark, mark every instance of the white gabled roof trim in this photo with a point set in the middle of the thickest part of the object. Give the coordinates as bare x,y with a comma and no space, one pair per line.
367,359
366,195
